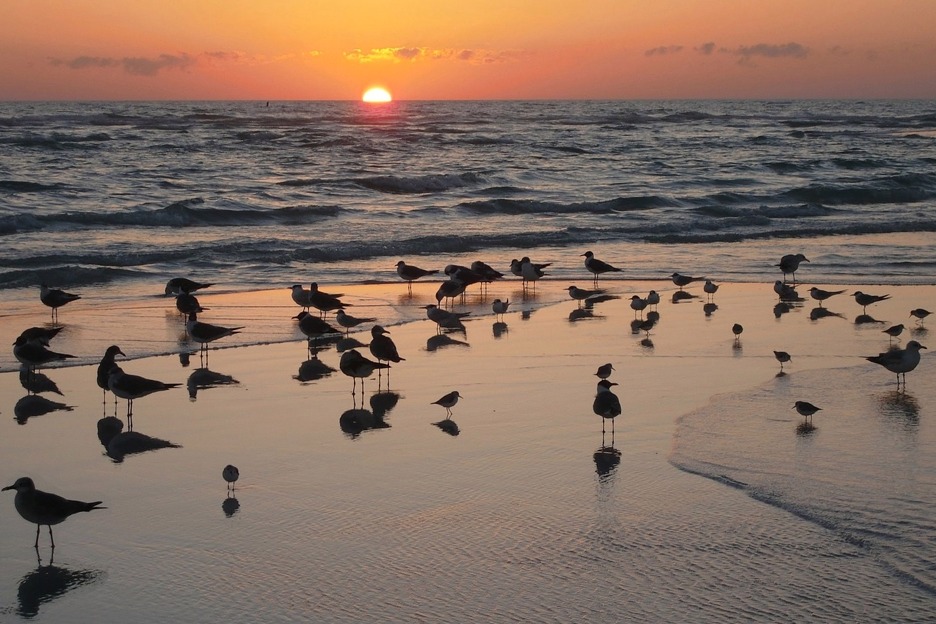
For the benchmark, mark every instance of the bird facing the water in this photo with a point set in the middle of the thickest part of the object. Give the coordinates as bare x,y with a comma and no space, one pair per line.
606,403
782,357
919,314
790,263
44,508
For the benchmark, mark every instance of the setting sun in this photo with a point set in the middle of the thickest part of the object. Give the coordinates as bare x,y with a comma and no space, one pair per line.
376,95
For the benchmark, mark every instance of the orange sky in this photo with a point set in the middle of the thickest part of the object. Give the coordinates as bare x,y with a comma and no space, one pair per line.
469,49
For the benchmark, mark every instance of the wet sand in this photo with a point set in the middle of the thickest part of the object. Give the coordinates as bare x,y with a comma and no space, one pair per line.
513,519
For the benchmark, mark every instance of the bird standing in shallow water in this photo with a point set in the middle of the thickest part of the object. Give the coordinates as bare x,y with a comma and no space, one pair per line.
604,371
598,267
43,508
806,409
893,331
606,403
737,329
790,262
448,402
865,300
900,361
410,273
230,474
500,308
782,357
821,295
919,314
55,299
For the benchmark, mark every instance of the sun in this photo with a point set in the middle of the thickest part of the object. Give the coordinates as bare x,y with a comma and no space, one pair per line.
376,95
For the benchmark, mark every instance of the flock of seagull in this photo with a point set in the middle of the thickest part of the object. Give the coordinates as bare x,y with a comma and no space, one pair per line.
32,349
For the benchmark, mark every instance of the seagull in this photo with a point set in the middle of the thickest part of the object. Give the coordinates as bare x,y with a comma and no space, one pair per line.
500,307
448,401
638,305
132,387
181,285
900,361
790,262
596,266
487,272
530,272
893,331
33,355
356,366
581,294
410,273
300,296
710,288
382,346
203,333
806,409
782,357
104,369
350,322
186,304
45,508
653,298
40,335
231,474
920,314
865,300
323,301
449,289
604,371
313,327
606,404
55,298
463,274
684,280
821,295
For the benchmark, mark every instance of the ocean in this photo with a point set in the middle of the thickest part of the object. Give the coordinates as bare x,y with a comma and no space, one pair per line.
121,196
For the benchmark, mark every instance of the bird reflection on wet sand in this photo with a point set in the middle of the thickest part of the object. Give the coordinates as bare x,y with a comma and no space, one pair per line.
901,409
440,341
382,403
46,583
119,443
203,378
356,421
820,313
36,382
448,426
34,405
499,329
606,457
313,369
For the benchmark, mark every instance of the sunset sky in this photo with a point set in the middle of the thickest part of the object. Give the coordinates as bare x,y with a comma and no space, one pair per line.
472,49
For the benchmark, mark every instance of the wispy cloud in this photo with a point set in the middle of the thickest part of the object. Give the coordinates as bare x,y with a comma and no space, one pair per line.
151,66
137,65
414,54
664,50
770,50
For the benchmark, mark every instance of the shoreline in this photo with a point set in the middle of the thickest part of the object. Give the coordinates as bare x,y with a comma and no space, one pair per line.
515,500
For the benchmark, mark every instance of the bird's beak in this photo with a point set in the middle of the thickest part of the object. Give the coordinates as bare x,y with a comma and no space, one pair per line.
9,487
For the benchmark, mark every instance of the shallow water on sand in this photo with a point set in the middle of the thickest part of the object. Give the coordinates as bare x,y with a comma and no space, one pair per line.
514,519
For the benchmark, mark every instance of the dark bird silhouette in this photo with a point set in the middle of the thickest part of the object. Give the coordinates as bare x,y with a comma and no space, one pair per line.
43,508
55,299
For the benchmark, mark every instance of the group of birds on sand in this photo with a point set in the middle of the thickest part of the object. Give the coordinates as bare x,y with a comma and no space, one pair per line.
32,350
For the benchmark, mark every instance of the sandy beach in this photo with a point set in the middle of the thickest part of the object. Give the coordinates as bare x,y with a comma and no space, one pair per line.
382,516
